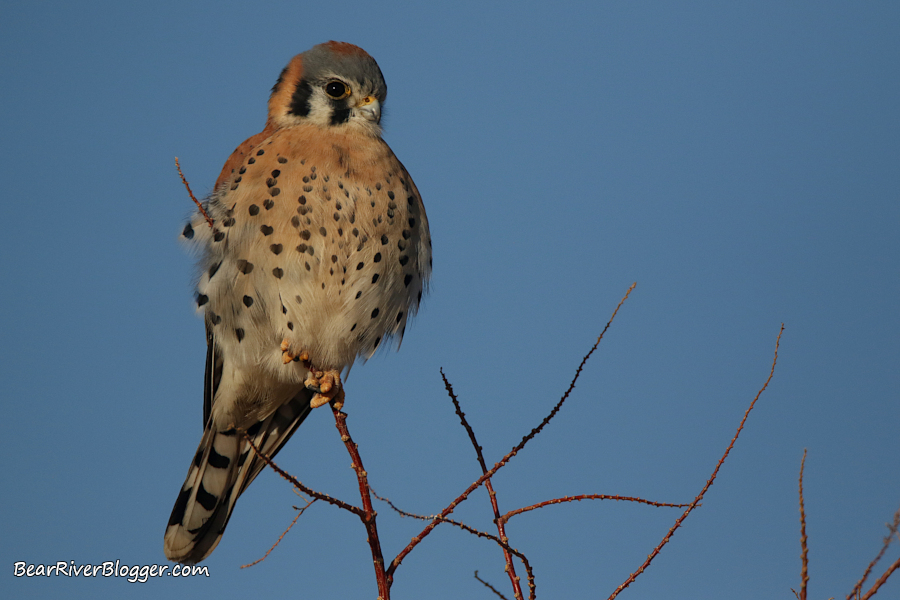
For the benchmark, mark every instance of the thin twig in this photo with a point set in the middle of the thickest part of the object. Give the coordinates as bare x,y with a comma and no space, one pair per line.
893,530
194,198
300,511
709,482
489,586
804,551
501,525
296,483
519,511
497,466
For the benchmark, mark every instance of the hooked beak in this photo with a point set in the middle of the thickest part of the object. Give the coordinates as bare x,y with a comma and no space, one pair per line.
370,108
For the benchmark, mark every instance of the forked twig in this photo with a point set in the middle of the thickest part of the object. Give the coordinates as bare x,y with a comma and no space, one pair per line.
300,511
581,497
709,482
209,220
893,531
501,525
497,466
296,483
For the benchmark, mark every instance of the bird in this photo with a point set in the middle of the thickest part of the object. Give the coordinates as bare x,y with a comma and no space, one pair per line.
314,251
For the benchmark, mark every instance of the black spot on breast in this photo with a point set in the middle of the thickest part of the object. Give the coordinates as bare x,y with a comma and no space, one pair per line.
253,210
384,239
358,294
240,334
260,152
243,170
305,234
276,173
322,231
228,222
301,248
406,233
251,160
307,188
412,221
391,195
354,327
401,244
268,203
399,316
202,299
334,258
403,260
375,278
188,231
214,318
248,301
218,236
375,313
244,267
213,268
290,326
337,216
275,191
377,257
266,230
278,273
282,159
302,199
406,280
298,299
276,249
295,221
360,266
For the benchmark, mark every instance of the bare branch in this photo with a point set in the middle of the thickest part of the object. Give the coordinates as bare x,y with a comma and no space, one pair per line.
893,530
518,511
709,482
489,586
497,466
209,220
293,480
501,527
804,551
300,511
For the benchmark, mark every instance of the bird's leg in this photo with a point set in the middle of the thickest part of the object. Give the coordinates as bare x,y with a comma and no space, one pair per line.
326,384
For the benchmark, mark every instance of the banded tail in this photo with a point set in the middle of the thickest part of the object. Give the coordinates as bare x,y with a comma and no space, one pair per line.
221,470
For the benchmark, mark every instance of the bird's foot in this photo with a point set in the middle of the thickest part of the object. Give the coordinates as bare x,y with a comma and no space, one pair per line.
287,356
327,387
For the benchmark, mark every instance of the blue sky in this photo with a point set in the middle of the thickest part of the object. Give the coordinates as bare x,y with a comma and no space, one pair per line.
741,162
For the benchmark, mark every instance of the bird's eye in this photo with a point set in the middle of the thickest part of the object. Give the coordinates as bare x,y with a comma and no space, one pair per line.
337,89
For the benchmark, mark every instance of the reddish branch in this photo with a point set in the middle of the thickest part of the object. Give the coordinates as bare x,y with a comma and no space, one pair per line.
804,551
194,198
501,525
490,473
368,514
709,482
296,483
482,534
892,532
581,497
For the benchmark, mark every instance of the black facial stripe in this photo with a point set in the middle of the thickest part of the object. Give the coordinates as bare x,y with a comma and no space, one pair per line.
300,99
340,115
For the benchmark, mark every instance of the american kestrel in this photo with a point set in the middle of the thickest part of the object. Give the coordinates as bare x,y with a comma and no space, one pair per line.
318,254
